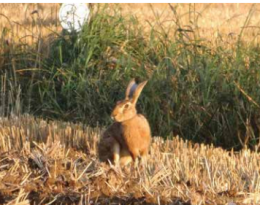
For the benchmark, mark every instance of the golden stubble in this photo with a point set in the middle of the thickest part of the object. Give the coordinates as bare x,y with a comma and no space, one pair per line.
53,160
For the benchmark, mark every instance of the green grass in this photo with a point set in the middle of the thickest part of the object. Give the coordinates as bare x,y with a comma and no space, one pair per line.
203,92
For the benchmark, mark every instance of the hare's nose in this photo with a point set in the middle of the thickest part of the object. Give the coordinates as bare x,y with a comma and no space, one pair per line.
112,116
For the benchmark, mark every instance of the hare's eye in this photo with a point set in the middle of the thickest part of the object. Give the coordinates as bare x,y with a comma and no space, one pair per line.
126,106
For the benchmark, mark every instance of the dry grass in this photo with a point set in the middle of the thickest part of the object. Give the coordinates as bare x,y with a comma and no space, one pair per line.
212,20
29,22
56,162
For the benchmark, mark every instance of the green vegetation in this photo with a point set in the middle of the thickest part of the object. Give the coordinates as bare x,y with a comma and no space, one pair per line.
202,91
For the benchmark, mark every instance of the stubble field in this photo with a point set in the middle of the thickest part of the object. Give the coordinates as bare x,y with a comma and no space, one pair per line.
56,163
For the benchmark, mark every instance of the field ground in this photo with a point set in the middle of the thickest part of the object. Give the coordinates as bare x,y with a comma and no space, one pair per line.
56,163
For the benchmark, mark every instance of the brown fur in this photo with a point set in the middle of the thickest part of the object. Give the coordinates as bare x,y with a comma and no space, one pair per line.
137,136
131,131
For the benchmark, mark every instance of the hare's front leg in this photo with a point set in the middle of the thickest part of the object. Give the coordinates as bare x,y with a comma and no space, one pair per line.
125,157
116,153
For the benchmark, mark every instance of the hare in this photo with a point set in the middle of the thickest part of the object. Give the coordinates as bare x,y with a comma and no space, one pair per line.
129,137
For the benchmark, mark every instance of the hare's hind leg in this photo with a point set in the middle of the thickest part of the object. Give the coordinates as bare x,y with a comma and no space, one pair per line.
116,153
135,154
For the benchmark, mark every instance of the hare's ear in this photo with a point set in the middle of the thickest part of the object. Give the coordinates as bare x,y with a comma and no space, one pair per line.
138,91
130,89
